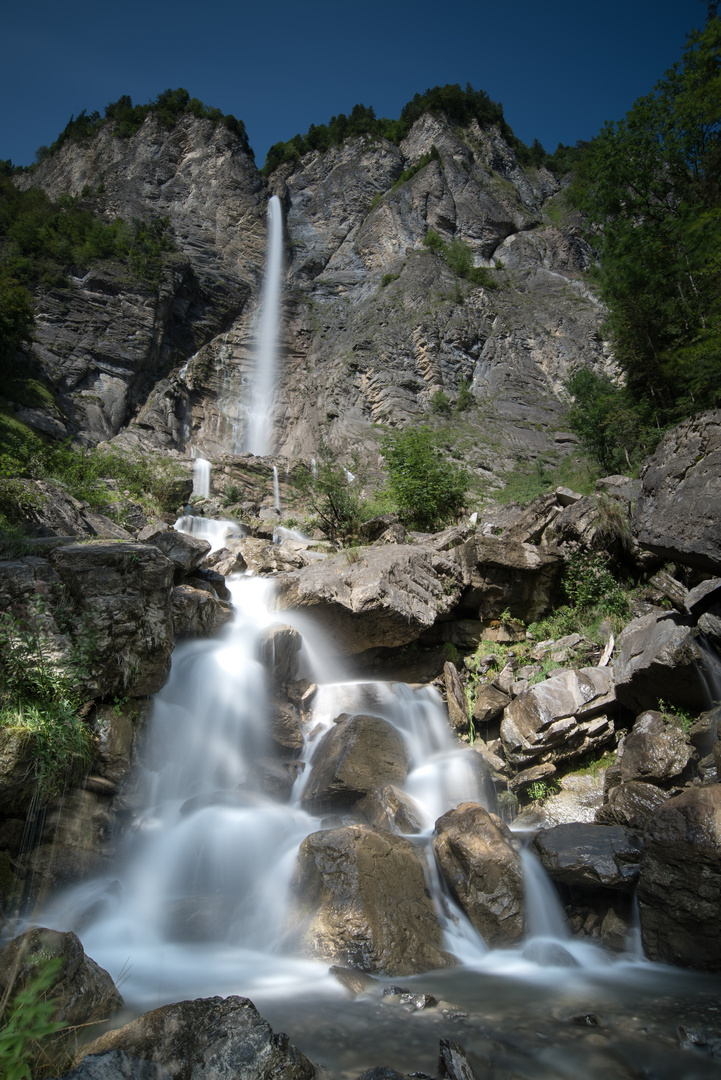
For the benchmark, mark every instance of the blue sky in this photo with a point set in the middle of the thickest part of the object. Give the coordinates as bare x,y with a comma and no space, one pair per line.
559,68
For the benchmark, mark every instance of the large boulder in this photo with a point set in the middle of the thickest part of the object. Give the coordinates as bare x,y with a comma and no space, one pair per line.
186,552
502,575
196,613
679,507
562,718
358,754
654,750
474,851
364,903
388,597
632,804
590,856
207,1039
658,658
81,989
279,649
121,593
679,889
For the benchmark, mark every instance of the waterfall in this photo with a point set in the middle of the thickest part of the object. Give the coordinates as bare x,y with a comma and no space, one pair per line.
276,489
201,478
314,467
258,436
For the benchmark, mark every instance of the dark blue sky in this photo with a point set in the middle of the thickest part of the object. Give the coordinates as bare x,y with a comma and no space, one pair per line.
559,68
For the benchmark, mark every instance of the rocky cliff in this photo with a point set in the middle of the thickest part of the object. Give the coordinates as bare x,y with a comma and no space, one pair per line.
375,323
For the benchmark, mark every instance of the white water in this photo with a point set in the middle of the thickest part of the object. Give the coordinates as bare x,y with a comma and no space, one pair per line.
201,477
215,531
259,432
276,489
200,902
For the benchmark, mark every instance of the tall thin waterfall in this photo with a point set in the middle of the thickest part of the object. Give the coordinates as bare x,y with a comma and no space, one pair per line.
258,435
276,488
201,477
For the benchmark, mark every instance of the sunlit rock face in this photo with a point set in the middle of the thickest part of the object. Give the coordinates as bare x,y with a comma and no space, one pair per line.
374,323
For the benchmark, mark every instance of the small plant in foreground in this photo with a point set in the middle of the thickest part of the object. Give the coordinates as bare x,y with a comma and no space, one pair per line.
675,715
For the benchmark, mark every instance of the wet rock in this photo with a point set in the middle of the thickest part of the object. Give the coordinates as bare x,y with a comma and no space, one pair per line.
279,648
212,582
81,989
680,881
17,761
520,783
456,699
357,755
654,750
453,1062
614,931
680,502
385,599
590,856
562,718
549,954
285,727
502,575
114,726
208,1039
658,658
196,613
474,851
631,804
365,904
356,982
390,808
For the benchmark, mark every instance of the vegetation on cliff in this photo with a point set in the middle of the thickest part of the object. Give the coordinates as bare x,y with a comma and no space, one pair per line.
459,106
650,186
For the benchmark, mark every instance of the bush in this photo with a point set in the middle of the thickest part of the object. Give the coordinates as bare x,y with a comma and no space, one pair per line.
333,494
428,489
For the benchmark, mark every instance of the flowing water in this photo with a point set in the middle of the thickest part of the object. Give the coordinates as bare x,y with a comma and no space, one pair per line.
201,477
258,436
199,901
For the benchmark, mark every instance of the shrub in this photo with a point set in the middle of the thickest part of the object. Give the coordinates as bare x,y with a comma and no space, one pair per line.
428,489
332,493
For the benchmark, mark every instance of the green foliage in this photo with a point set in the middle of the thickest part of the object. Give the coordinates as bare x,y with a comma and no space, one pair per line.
615,430
42,696
540,790
678,717
331,495
465,397
388,278
17,319
428,489
529,480
233,494
459,106
26,1022
441,403
459,258
650,183
588,583
424,160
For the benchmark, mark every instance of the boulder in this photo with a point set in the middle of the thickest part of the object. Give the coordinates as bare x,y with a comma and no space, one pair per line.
121,593
658,658
631,804
263,558
196,613
364,902
207,1039
679,887
17,762
502,575
562,718
186,552
654,750
575,797
474,851
391,809
588,856
679,507
279,648
46,509
488,704
284,724
358,754
387,598
456,699
81,989
117,1065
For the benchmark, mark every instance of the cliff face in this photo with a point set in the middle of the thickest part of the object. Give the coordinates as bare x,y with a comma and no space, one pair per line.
375,323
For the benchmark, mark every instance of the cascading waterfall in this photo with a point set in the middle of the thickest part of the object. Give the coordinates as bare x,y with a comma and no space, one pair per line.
276,489
201,477
259,430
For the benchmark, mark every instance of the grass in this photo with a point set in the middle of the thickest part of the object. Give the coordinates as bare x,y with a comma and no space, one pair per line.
526,481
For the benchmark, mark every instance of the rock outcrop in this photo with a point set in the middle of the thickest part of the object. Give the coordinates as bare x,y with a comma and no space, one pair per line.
658,658
590,856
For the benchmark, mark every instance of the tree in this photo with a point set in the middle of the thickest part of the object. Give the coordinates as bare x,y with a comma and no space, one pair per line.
333,493
428,489
651,184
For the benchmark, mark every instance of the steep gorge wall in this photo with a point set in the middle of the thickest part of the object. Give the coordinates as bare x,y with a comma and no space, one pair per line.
356,352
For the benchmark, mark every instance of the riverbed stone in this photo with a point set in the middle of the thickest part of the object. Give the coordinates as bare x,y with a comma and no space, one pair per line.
456,699
590,856
81,989
502,575
208,1039
279,649
565,717
475,853
679,889
631,804
196,613
364,903
390,808
358,754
